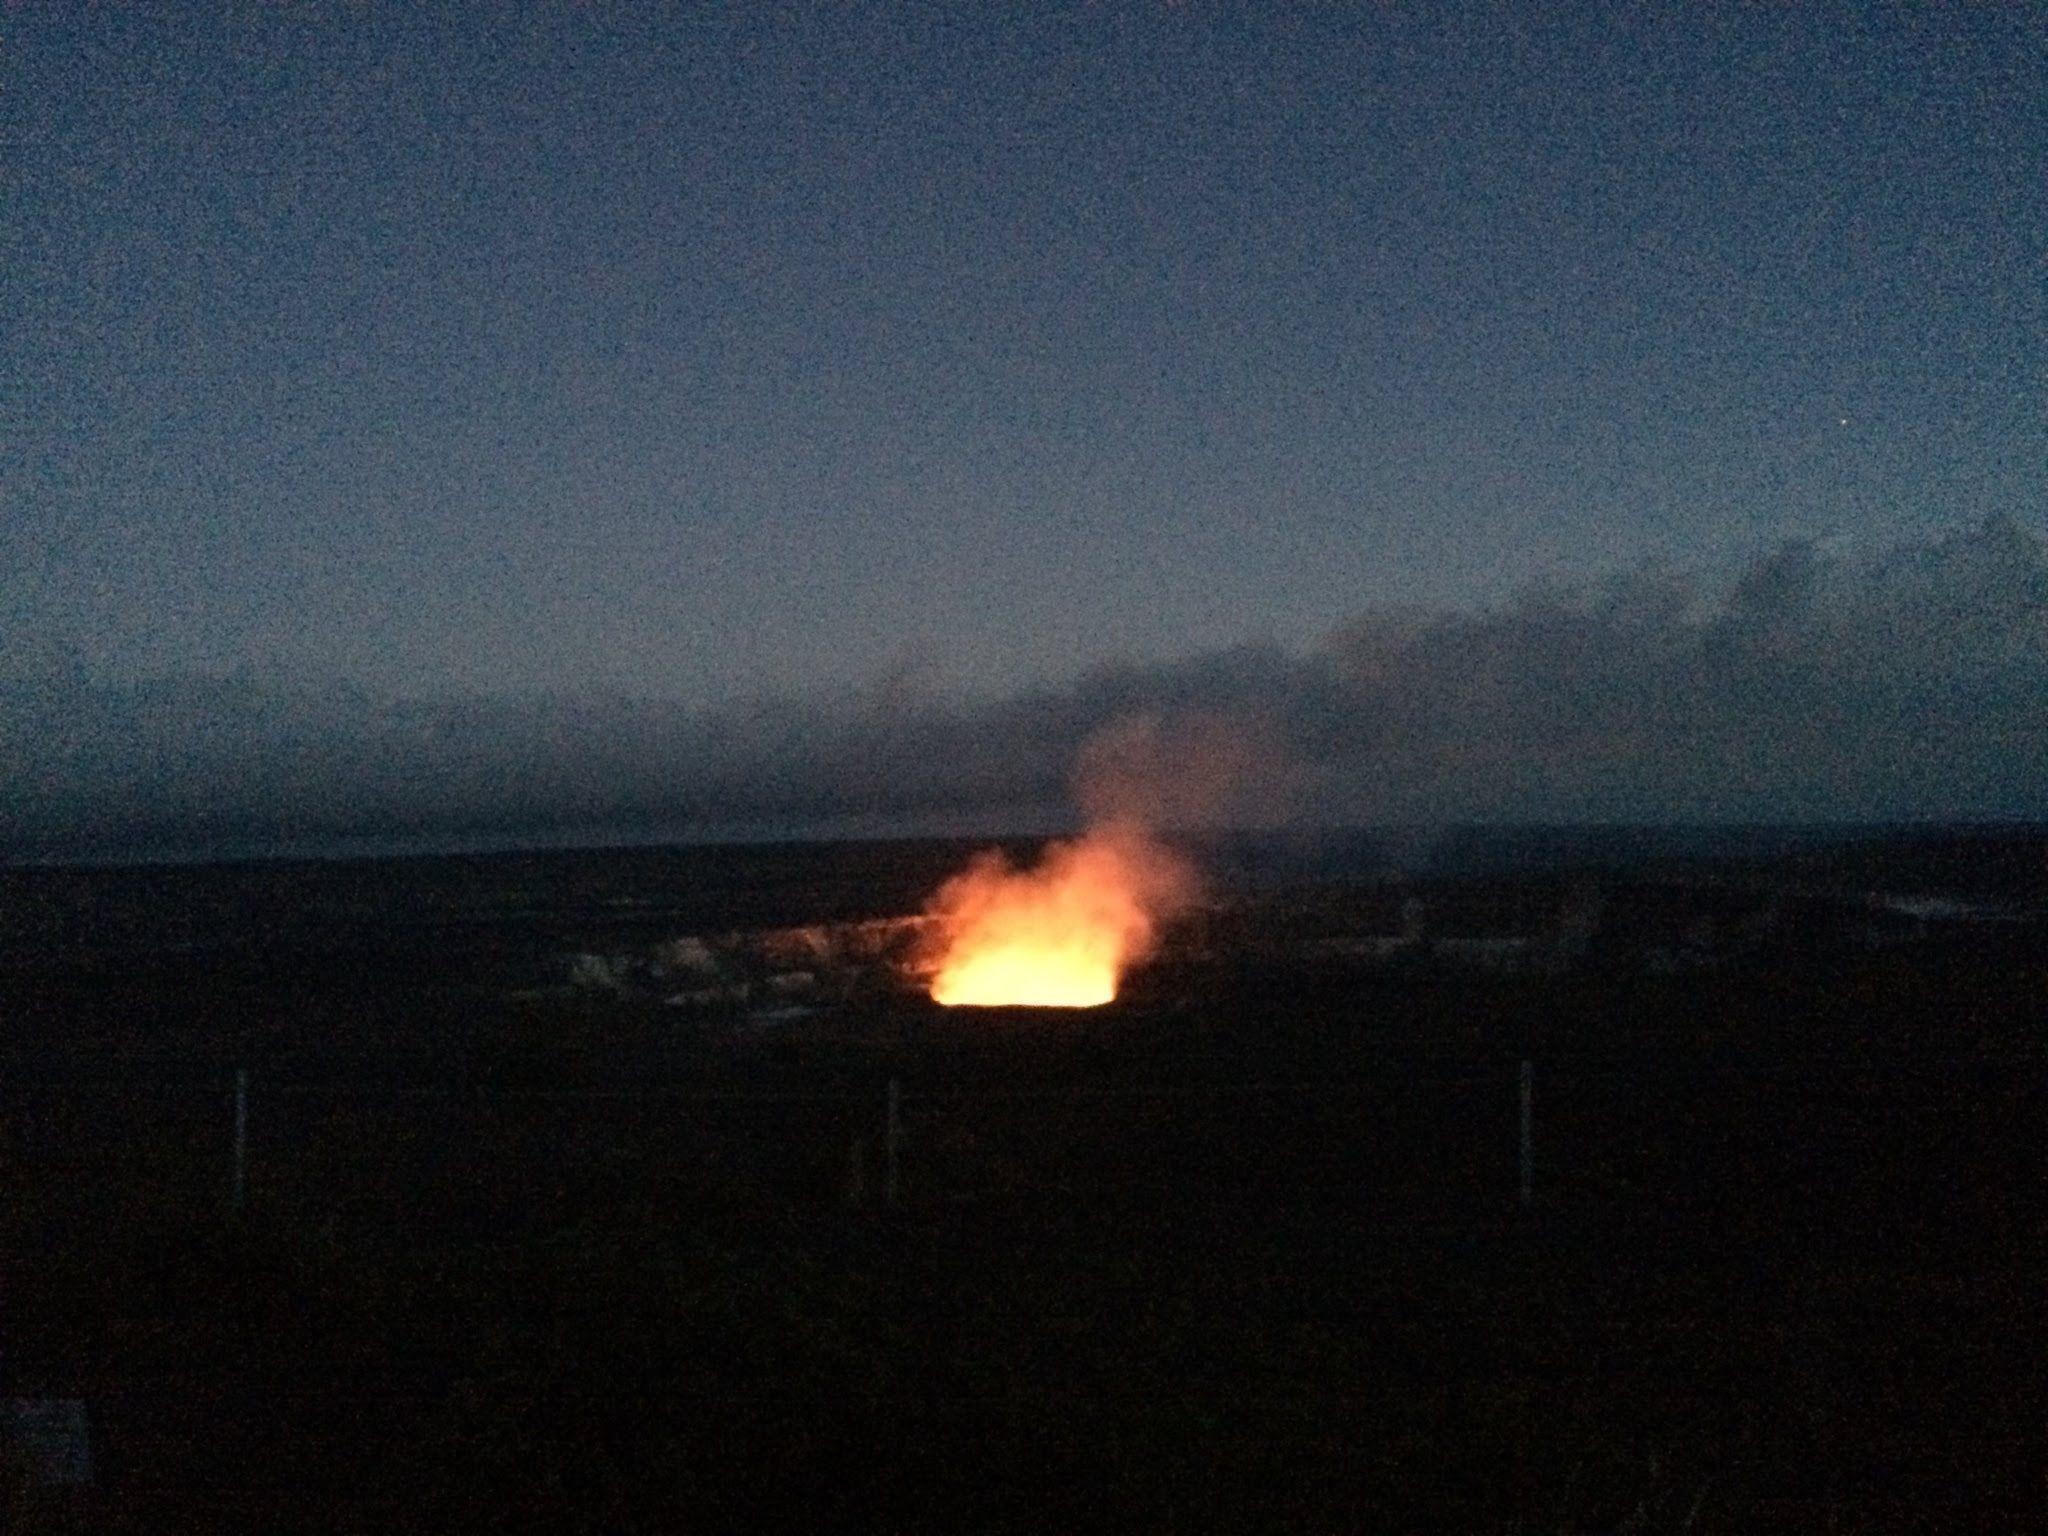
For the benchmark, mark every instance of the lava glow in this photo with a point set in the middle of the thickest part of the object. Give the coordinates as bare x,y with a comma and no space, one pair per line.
1059,935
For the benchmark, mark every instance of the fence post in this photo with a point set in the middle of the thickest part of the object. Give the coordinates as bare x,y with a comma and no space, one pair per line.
1528,1132
892,1140
241,1175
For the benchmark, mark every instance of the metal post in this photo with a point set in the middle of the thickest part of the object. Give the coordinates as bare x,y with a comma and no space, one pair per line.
1528,1132
892,1141
241,1182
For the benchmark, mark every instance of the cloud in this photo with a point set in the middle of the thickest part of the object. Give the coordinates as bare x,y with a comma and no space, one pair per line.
1819,685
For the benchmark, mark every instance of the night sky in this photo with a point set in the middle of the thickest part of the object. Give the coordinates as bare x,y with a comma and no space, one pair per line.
420,418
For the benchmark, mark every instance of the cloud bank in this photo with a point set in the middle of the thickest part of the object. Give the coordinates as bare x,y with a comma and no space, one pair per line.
1818,686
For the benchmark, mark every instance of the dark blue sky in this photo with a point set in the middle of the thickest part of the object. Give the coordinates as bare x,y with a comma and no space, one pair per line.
701,352
514,419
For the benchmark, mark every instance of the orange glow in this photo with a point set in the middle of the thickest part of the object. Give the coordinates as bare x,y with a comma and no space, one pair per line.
1060,935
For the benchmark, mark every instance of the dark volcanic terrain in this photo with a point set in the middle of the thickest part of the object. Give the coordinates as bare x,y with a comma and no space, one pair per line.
568,1196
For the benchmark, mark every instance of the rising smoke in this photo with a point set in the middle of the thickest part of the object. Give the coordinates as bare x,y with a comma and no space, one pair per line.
1064,931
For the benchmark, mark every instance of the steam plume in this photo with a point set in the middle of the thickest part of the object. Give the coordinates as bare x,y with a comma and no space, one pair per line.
1064,932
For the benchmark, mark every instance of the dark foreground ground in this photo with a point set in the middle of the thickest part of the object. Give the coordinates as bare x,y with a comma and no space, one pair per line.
1244,1251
